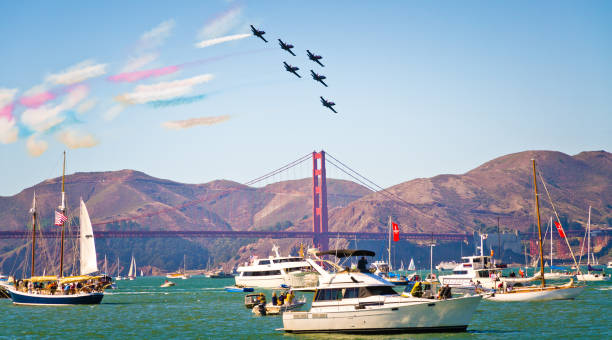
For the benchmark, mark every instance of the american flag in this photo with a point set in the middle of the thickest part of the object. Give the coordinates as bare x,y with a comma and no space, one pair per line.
60,218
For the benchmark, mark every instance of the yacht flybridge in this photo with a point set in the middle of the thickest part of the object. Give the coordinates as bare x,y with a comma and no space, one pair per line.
357,301
276,271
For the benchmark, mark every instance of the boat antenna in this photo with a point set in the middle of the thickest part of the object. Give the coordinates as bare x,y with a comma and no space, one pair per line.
63,211
537,206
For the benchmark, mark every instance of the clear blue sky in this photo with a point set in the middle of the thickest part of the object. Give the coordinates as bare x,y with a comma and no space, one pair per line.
422,88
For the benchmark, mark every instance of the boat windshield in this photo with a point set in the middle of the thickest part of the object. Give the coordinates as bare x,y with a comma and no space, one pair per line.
350,293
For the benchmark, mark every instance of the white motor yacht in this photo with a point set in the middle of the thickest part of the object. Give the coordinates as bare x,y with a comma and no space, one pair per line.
274,272
356,301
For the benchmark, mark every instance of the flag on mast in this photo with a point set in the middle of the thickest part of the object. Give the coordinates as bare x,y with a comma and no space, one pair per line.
560,229
395,231
60,218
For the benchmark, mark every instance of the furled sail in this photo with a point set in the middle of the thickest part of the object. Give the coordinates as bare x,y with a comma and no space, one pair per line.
89,264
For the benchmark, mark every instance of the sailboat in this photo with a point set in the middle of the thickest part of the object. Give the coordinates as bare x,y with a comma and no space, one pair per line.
60,290
542,292
132,271
552,275
411,266
118,277
180,274
592,274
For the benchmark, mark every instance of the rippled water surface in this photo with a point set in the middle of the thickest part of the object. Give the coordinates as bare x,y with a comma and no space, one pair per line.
200,308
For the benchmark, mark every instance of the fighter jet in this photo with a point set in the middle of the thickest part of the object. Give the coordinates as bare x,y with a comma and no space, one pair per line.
318,77
314,57
291,69
328,104
286,47
258,33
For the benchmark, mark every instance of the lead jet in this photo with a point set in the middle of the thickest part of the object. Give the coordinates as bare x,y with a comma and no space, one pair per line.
318,77
314,57
286,47
328,104
258,33
292,69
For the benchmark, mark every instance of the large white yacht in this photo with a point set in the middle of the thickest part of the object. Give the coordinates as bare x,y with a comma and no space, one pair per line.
276,271
355,301
477,271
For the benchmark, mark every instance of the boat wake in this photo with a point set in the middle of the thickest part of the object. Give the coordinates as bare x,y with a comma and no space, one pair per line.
605,288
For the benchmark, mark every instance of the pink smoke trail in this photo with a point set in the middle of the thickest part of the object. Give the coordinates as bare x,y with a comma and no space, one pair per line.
36,100
7,111
139,75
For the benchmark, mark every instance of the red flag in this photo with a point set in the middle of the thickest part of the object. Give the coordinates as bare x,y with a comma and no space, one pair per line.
560,229
60,218
395,231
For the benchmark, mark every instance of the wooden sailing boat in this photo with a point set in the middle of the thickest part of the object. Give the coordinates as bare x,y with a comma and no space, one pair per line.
542,292
60,290
592,274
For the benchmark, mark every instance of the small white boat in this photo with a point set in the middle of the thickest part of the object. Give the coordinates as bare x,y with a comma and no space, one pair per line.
180,273
534,293
167,284
272,272
592,274
610,265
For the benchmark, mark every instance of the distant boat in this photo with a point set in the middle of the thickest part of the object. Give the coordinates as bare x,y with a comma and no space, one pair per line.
592,274
167,284
132,271
411,266
180,274
118,277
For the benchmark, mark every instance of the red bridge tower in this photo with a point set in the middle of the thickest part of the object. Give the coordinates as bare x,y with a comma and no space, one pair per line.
319,199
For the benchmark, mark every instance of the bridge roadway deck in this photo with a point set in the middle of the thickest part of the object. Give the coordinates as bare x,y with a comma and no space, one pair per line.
237,234
13,234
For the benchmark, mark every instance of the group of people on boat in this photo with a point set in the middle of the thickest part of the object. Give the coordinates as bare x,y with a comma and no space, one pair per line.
285,298
55,287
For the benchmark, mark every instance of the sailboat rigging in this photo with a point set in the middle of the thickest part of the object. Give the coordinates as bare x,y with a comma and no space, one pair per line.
592,274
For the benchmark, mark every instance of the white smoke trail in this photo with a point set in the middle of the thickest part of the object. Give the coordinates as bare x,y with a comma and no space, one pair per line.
220,40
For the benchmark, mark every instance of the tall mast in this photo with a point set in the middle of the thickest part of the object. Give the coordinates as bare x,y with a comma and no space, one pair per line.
63,210
390,242
33,212
537,206
551,244
589,240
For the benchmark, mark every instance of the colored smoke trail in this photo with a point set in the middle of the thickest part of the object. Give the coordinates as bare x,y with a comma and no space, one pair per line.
36,100
7,111
176,101
215,41
188,123
139,75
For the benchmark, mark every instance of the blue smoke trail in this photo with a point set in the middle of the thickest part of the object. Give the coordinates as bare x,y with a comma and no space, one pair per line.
176,101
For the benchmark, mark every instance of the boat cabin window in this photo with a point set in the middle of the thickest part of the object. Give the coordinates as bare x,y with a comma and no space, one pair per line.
376,290
264,262
262,273
460,272
483,273
288,260
351,293
328,294
295,269
476,260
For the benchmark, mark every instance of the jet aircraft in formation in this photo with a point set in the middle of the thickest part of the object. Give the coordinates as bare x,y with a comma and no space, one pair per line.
286,47
292,69
318,77
314,57
328,104
258,33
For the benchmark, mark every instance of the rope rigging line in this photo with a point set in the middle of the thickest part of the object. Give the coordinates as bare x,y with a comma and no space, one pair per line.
558,219
279,170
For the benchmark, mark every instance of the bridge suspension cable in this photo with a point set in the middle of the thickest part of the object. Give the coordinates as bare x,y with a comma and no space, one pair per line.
279,170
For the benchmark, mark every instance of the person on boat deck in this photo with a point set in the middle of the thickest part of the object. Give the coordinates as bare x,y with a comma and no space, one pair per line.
281,298
261,298
521,272
30,286
290,297
512,274
362,264
274,299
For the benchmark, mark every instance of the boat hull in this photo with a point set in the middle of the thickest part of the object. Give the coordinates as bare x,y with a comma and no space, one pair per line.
422,316
593,277
21,298
522,295
273,281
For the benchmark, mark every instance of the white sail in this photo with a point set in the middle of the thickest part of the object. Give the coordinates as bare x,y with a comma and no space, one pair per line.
411,265
132,271
89,263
